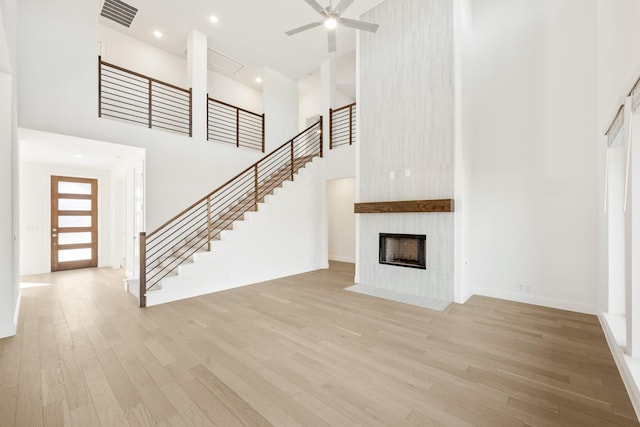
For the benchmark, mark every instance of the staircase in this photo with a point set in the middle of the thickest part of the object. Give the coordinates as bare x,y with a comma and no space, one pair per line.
198,228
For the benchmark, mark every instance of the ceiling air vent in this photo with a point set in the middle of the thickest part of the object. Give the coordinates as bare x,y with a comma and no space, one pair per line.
220,62
119,11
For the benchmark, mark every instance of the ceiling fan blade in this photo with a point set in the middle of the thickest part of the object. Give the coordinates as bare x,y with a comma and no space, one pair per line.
331,34
359,25
303,28
342,6
316,6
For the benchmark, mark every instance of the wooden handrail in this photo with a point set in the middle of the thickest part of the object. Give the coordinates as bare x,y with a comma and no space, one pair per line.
191,231
229,181
233,106
231,124
344,107
337,136
146,101
117,67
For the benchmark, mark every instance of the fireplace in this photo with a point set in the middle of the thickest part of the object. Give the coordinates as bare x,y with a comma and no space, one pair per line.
403,250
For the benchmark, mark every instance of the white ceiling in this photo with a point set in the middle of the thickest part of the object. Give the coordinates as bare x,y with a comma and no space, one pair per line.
249,31
51,148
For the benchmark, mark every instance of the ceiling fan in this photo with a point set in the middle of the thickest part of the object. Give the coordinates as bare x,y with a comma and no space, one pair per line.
331,19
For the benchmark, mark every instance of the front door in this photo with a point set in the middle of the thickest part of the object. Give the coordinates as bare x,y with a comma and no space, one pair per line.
74,223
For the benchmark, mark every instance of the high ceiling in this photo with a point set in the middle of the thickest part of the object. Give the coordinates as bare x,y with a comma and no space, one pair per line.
249,31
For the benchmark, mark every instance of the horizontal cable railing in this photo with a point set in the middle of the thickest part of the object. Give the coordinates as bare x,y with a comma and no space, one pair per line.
342,126
233,125
192,230
135,98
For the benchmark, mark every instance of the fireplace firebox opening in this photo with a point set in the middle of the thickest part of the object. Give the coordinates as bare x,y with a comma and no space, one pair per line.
403,250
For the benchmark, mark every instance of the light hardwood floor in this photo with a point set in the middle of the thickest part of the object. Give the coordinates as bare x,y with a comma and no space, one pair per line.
299,351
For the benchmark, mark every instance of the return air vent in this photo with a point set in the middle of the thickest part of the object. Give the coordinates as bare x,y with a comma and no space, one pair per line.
220,62
119,11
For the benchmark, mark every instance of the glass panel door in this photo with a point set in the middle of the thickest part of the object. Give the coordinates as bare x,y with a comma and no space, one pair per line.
74,223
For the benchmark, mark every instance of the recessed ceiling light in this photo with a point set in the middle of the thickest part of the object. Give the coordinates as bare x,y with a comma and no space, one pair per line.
258,79
78,156
157,33
214,19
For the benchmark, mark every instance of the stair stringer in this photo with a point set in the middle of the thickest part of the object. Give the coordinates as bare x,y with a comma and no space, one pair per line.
285,236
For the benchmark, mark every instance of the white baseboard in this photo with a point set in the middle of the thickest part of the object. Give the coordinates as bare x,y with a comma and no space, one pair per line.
624,364
538,300
342,259
17,311
465,297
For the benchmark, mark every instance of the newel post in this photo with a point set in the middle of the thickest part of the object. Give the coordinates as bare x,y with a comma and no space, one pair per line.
330,128
263,132
99,86
351,124
321,136
143,269
150,103
255,183
209,223
237,127
292,160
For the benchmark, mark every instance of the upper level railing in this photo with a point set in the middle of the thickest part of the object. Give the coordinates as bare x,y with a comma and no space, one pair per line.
342,126
233,125
126,95
193,229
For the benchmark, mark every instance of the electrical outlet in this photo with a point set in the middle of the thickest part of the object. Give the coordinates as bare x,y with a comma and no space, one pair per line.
407,172
392,175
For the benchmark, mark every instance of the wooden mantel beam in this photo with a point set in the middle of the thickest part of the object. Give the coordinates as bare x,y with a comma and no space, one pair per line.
439,205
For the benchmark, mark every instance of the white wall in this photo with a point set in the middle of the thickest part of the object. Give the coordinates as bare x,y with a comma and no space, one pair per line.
280,108
57,93
9,256
341,195
35,208
533,166
127,52
310,100
341,162
8,283
618,68
257,250
463,142
230,91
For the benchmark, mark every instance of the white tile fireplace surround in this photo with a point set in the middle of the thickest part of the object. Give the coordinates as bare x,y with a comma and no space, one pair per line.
405,153
436,281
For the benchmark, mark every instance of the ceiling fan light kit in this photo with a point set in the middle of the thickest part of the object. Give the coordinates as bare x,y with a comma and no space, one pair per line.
331,19
330,23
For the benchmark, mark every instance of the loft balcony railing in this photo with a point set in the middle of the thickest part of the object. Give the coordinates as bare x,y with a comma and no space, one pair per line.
233,125
342,126
163,250
135,98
